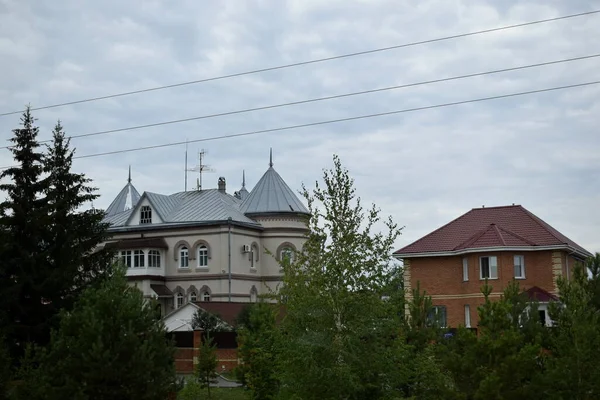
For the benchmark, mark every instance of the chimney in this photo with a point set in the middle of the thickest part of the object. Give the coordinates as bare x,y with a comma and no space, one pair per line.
222,184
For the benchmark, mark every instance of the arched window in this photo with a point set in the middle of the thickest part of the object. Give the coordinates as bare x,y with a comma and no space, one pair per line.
202,256
154,258
253,294
287,255
138,258
179,299
206,296
184,261
193,296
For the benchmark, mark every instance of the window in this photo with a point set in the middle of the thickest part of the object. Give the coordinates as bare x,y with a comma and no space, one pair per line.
138,258
179,299
519,267
437,316
488,267
202,256
154,259
193,296
465,269
145,215
542,317
126,258
205,296
467,316
287,255
253,296
184,261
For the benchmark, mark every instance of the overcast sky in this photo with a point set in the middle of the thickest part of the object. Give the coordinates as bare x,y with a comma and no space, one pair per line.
424,168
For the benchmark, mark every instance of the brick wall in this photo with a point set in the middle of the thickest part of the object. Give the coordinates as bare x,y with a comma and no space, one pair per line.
185,358
442,278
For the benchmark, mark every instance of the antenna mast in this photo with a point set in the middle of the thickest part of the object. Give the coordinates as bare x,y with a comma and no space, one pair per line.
200,168
185,167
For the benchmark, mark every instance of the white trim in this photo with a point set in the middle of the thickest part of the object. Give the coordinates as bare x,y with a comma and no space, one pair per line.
523,273
489,249
467,316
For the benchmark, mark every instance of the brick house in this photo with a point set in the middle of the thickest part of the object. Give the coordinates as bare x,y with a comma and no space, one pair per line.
497,243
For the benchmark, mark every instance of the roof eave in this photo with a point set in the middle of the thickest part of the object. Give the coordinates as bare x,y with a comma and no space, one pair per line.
572,249
302,214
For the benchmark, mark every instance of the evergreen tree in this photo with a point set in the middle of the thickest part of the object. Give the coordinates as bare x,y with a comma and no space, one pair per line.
110,346
72,234
506,359
207,363
23,219
575,351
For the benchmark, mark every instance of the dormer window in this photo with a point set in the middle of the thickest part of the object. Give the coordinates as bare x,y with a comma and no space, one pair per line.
145,215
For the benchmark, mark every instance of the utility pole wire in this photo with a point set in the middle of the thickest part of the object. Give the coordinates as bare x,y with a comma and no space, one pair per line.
136,127
319,60
407,110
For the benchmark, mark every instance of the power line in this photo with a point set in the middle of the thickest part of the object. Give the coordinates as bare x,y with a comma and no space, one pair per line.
407,110
318,60
136,127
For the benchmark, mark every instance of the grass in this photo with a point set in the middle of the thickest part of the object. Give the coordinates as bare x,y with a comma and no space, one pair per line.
229,394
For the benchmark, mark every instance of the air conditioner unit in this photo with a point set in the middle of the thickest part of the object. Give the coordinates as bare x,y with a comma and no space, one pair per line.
246,248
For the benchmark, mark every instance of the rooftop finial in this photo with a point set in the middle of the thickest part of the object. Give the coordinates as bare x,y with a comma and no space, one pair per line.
271,157
129,176
243,178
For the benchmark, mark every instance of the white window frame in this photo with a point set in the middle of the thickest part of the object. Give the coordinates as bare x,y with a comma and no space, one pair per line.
522,265
436,310
154,259
126,257
465,265
184,257
139,259
203,256
193,297
493,267
206,296
467,316
180,299
146,215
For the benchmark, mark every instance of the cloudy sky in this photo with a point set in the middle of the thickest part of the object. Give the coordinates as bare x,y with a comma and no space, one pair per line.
424,168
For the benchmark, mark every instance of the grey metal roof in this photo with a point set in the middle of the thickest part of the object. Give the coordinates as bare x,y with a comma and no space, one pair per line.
272,194
127,197
193,206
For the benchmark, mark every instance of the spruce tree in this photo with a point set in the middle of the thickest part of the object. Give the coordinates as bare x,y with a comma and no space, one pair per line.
72,234
23,218
109,346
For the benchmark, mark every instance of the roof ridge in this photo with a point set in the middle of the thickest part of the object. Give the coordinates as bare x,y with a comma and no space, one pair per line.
472,239
518,236
497,230
433,232
544,225
492,207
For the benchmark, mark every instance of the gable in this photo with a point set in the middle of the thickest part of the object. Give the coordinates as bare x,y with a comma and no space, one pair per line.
135,217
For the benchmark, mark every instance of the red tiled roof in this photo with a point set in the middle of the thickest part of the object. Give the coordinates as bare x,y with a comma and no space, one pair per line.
539,294
505,226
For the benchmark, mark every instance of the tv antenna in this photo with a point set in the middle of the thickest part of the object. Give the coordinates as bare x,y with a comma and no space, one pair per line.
200,168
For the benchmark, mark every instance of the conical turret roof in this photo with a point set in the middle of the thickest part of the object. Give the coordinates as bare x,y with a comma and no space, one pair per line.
272,195
126,199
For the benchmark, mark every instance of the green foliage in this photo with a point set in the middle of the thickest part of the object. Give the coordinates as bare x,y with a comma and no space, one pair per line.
209,323
5,370
574,367
337,332
207,363
47,252
506,360
257,338
110,346
23,218
192,390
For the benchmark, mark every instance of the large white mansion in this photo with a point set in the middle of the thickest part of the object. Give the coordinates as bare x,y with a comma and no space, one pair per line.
207,245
